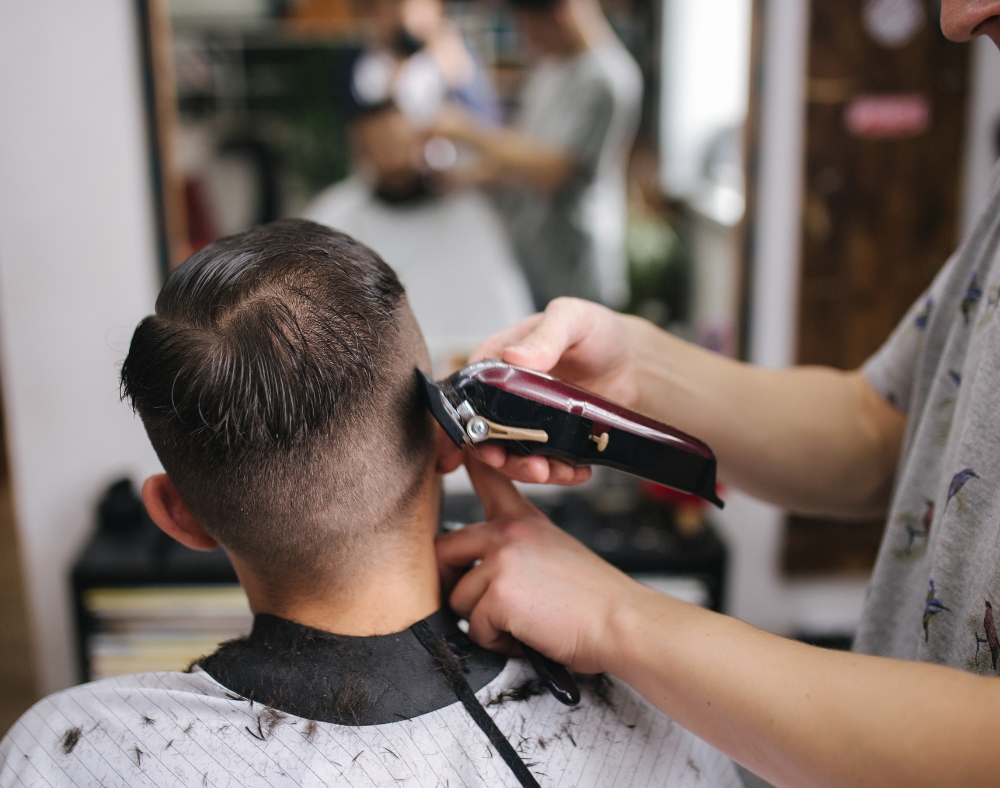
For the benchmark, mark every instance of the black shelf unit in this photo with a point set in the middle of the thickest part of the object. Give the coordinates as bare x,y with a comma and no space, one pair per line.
126,551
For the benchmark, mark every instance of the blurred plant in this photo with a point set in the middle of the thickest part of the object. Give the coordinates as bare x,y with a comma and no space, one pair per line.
298,104
657,267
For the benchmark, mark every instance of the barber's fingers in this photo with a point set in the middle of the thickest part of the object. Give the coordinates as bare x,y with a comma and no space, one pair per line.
509,551
493,346
462,548
492,634
498,495
502,598
565,474
564,323
539,341
491,454
568,475
457,551
521,469
476,599
534,469
468,592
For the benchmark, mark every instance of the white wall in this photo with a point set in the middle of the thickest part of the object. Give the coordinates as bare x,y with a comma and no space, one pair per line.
77,272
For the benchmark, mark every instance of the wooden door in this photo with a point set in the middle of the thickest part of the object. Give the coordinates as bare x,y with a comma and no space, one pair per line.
884,136
160,104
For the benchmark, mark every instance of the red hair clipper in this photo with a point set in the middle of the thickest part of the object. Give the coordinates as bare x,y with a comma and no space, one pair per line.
533,413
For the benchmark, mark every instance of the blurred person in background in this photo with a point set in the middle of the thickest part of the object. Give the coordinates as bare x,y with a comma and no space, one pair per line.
561,166
416,59
396,202
449,249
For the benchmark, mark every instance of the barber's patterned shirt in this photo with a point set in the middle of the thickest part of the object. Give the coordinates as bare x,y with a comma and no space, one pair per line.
937,580
187,729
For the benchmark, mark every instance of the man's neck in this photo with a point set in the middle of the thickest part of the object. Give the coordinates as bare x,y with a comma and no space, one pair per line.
396,588
589,27
392,596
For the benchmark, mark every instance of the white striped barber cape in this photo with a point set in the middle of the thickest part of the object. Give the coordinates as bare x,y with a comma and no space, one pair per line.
186,729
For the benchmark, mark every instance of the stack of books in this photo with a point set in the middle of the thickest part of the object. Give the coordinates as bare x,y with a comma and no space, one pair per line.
152,628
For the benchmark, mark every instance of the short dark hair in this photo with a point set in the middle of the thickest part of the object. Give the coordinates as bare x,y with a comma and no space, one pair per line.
276,382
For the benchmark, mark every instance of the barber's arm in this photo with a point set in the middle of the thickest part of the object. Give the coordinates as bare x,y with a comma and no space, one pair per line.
795,714
812,439
507,155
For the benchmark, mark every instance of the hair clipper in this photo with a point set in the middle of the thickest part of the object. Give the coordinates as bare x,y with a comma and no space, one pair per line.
534,413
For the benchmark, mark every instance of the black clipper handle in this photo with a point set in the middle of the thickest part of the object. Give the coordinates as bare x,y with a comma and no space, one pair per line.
555,677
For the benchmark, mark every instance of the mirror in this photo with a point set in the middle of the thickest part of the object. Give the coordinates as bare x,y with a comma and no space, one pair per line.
250,118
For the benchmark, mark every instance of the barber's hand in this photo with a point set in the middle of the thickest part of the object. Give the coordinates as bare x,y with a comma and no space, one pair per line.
455,123
535,583
579,341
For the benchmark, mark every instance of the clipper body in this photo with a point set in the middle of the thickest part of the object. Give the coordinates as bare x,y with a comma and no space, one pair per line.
533,413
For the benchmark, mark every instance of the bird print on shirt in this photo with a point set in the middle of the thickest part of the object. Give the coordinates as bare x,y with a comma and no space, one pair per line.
958,482
944,409
990,629
932,607
918,532
928,518
923,317
992,301
973,295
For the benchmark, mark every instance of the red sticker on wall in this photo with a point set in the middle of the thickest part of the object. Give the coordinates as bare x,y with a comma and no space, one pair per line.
888,115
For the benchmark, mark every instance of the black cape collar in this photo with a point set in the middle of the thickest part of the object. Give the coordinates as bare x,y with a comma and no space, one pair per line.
347,680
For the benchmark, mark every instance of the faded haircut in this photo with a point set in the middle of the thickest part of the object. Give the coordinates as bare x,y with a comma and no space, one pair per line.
276,382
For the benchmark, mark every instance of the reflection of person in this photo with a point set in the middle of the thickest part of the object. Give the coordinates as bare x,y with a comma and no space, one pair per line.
276,382
450,250
388,152
564,160
916,430
417,59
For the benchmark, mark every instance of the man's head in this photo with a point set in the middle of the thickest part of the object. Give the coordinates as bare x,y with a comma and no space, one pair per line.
388,148
549,26
404,25
276,382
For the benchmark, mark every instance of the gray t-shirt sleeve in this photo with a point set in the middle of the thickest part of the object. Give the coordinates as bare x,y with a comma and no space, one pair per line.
589,125
890,371
572,112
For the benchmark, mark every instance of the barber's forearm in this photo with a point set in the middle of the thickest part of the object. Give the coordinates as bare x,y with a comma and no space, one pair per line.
799,715
514,157
813,439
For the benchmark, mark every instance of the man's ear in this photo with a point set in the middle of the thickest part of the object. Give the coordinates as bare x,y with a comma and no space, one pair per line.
448,456
172,515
